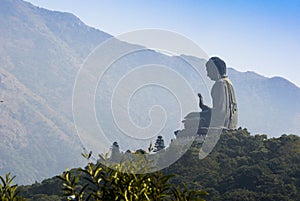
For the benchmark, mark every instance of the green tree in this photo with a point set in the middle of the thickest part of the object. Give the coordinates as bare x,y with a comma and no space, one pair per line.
159,144
8,191
99,182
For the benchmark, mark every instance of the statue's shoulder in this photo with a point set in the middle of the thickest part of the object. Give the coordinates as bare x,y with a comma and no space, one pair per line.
227,80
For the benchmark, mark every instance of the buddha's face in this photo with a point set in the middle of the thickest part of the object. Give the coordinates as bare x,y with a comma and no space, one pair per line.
212,71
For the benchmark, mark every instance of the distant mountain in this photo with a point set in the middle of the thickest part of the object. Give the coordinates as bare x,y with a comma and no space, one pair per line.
41,52
267,105
44,49
35,139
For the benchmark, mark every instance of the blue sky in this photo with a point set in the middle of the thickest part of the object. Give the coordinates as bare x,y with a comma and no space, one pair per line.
260,36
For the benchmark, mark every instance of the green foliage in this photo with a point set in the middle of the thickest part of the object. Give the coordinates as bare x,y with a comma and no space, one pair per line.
8,191
49,189
241,167
99,182
245,167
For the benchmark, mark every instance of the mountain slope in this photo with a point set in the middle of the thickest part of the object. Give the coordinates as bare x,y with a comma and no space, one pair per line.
36,141
44,49
266,105
40,53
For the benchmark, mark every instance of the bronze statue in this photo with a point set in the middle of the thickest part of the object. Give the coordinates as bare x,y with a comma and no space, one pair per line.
222,114
224,108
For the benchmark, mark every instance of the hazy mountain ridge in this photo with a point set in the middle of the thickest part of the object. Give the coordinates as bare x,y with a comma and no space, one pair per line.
45,52
40,54
40,58
266,105
34,137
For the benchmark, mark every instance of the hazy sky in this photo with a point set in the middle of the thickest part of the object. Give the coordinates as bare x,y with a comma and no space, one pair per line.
258,35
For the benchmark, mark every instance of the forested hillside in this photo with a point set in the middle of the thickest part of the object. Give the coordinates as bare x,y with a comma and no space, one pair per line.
245,167
241,167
